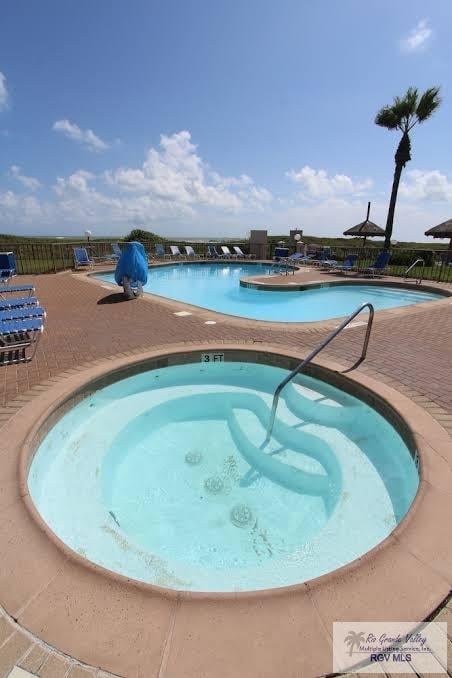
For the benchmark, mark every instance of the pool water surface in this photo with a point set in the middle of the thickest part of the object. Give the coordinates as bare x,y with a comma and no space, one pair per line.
161,477
216,286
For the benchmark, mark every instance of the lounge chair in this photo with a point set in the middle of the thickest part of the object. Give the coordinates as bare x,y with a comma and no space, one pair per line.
160,252
17,302
379,265
227,252
324,261
296,256
7,266
299,258
190,252
212,252
81,258
16,336
5,291
21,313
175,251
238,252
116,250
350,264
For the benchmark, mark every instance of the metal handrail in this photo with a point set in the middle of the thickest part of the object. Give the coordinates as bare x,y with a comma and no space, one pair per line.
283,266
418,261
313,354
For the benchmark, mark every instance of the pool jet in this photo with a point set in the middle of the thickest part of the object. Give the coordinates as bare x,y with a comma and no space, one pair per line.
132,270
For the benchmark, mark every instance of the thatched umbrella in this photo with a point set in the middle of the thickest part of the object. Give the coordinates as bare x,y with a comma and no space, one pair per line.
443,230
366,229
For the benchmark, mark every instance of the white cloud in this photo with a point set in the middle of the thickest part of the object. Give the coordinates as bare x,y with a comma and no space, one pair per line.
429,185
85,137
317,184
417,38
176,173
22,208
31,183
4,95
176,192
173,185
77,182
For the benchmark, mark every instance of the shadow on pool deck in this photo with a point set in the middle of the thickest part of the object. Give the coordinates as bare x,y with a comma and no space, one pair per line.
115,298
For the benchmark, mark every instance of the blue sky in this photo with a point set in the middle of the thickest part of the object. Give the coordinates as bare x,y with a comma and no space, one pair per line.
208,118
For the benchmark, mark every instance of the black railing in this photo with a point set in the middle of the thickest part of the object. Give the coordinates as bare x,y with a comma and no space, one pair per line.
51,257
54,256
437,263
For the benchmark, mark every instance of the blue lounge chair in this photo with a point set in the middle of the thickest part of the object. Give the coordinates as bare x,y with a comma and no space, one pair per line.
81,258
349,264
22,313
6,291
380,264
7,266
212,252
160,251
324,260
297,256
17,302
16,336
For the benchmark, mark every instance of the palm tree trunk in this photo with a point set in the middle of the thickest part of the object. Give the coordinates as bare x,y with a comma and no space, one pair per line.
392,204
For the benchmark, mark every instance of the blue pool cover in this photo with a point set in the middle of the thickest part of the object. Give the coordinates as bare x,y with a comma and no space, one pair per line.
133,264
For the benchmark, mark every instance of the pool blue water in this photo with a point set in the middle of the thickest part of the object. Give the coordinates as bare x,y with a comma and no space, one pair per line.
161,477
217,287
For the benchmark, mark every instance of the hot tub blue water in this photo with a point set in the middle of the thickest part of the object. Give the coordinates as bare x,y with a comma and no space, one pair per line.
160,477
216,286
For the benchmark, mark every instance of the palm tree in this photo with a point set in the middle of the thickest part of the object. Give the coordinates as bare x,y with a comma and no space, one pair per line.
403,115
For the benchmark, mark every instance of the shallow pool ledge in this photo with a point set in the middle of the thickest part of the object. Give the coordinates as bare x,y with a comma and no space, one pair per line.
289,285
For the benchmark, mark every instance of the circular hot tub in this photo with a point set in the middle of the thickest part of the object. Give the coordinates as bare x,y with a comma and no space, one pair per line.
162,476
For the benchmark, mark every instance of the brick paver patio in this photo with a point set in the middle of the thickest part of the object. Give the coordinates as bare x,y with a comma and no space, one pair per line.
88,322
412,353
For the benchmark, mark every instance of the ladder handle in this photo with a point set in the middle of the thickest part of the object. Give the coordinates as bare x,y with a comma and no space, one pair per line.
418,261
315,352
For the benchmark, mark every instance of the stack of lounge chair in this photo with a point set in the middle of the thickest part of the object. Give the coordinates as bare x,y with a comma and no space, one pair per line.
21,323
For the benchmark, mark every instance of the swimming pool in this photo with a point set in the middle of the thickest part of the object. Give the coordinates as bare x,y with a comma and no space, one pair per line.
160,477
216,286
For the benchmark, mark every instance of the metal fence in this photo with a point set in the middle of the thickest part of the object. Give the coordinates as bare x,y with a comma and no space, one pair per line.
51,257
437,263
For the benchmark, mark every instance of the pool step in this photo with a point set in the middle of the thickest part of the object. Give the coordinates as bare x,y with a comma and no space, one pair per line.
268,465
311,410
